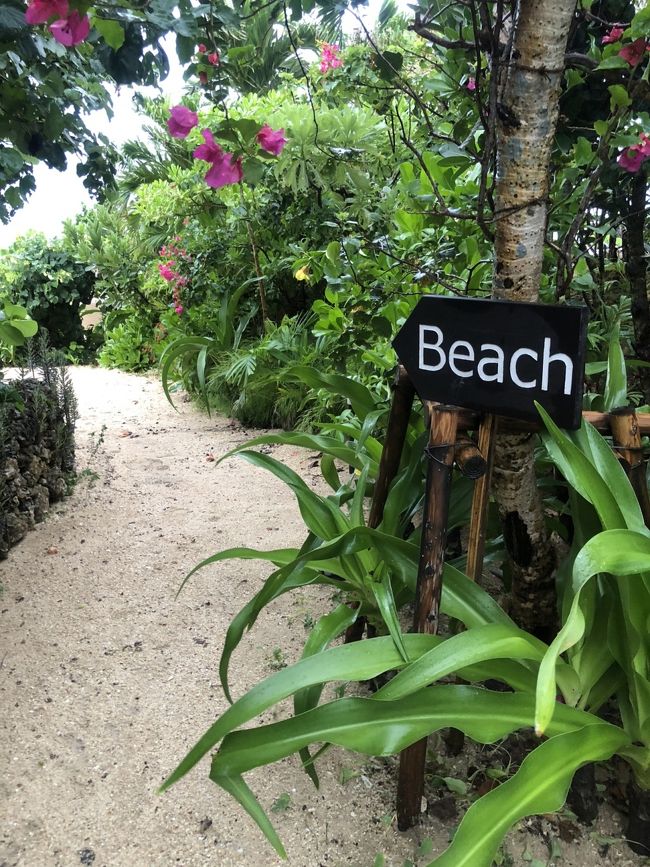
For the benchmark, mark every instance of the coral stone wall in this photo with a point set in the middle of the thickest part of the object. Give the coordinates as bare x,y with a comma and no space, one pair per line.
36,452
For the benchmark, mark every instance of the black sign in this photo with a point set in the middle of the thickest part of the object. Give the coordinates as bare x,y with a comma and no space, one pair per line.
497,356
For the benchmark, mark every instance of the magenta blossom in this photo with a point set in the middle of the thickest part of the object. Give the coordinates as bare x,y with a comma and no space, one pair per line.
213,58
633,53
210,151
632,158
71,30
224,171
471,83
614,34
40,11
329,58
271,140
166,272
182,121
178,309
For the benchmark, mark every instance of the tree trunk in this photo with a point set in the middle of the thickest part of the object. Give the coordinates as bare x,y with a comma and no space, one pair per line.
636,269
526,119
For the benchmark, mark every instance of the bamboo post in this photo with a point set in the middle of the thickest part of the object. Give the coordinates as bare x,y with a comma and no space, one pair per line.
627,440
440,452
481,498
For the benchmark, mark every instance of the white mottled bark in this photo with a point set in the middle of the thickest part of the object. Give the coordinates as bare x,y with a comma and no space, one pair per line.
527,117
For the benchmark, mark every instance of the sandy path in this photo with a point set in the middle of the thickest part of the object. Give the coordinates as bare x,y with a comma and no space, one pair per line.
105,680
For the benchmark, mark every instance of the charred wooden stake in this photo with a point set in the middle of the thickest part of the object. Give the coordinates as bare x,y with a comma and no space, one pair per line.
442,437
627,439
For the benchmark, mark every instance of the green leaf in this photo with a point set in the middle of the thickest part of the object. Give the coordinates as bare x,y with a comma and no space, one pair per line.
580,473
539,786
322,516
385,728
619,97
616,384
324,632
111,31
620,552
315,442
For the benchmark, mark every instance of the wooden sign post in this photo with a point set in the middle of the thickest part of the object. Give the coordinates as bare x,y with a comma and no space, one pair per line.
494,357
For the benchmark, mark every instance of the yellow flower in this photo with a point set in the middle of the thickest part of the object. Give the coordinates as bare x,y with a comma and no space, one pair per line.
302,273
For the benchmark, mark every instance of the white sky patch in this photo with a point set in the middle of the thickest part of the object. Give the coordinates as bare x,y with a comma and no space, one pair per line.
60,196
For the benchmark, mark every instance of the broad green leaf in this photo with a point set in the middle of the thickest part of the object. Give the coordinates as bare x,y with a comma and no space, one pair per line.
387,727
111,31
616,383
361,399
278,556
316,442
328,627
361,660
539,786
322,516
581,473
619,552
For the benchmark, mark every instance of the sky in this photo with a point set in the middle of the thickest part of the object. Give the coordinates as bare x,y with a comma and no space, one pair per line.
61,195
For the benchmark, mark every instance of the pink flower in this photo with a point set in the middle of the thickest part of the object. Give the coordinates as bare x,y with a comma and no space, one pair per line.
40,11
224,171
633,53
329,58
71,30
214,58
471,83
632,158
203,77
178,309
614,34
271,140
210,151
182,121
166,272
202,48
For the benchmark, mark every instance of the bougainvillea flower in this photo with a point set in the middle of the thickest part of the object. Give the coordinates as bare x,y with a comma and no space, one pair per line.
202,48
166,272
210,151
614,35
71,30
632,158
182,121
224,171
329,58
40,11
271,140
633,53
214,58
471,83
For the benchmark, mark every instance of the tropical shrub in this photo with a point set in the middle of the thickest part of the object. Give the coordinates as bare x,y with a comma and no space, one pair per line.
600,654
